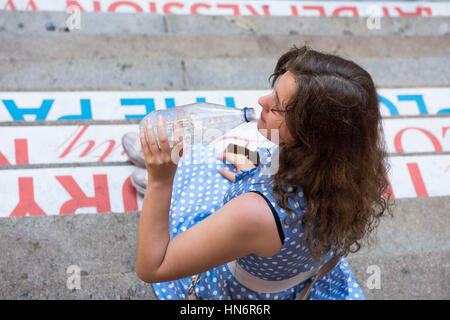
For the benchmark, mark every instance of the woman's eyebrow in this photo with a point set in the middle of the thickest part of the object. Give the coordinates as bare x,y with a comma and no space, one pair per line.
278,99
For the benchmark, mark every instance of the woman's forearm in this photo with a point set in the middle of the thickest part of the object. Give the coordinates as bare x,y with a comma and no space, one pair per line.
153,232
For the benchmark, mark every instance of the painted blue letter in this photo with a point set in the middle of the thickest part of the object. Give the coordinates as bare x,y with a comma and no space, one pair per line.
17,113
418,99
148,103
86,113
392,109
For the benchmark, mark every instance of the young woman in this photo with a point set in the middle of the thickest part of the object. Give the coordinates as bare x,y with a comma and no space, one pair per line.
263,232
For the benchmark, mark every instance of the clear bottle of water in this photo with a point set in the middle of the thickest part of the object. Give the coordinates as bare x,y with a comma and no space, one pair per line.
201,122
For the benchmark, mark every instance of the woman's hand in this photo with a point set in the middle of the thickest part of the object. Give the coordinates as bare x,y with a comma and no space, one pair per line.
240,161
160,161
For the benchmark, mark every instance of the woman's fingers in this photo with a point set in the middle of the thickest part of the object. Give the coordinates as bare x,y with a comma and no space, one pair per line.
230,157
163,139
178,132
178,142
152,144
143,140
228,174
238,160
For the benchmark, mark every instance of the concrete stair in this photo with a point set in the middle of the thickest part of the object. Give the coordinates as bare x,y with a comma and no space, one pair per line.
150,52
179,52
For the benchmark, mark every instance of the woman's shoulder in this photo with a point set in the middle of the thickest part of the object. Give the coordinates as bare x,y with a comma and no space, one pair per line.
251,204
256,211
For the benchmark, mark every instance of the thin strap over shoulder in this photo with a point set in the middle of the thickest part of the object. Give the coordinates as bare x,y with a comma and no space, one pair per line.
324,269
275,215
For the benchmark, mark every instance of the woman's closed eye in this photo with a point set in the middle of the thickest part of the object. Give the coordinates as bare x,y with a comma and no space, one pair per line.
274,110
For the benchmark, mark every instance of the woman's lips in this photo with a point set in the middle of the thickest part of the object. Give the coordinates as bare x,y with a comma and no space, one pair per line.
261,117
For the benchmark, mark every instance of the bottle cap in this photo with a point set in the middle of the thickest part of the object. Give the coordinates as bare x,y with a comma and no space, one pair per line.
249,114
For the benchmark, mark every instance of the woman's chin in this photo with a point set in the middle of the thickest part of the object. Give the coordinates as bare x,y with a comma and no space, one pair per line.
260,127
260,124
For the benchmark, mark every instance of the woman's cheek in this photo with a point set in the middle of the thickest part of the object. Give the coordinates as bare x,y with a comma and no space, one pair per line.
285,135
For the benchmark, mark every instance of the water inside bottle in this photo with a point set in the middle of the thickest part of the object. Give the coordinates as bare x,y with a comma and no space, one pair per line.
202,132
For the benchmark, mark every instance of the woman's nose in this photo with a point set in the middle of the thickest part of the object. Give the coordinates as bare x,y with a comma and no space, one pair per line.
263,102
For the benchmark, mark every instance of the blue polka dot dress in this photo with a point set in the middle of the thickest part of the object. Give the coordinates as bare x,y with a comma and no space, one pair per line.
199,190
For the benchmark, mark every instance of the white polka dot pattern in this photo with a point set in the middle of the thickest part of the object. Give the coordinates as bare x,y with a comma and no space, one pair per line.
199,190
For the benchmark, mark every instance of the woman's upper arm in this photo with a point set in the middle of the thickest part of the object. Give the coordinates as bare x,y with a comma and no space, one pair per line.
243,226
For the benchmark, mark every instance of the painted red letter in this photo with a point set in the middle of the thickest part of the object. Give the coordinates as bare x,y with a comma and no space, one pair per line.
27,204
321,9
129,196
80,200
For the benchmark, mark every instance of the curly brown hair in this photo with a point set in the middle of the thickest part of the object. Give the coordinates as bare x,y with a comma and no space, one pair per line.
338,154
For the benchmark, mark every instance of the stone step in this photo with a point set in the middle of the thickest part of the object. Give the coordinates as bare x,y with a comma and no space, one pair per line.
412,253
123,73
418,276
109,286
102,62
72,47
22,22
411,250
39,59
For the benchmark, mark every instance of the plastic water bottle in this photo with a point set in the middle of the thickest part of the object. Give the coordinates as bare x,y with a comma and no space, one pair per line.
201,122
